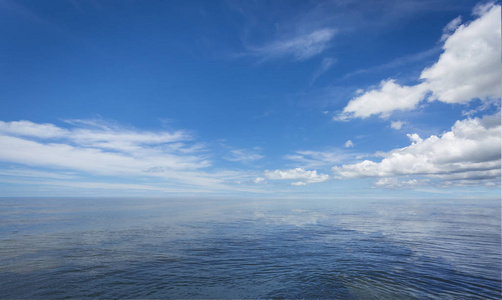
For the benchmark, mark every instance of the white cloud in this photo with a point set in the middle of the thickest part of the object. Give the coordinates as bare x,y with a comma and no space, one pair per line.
349,144
396,125
297,174
94,133
394,183
104,135
298,183
450,28
389,97
92,185
396,63
470,151
99,149
482,8
23,172
244,155
300,47
171,160
30,129
259,180
147,161
308,159
468,68
326,64
415,138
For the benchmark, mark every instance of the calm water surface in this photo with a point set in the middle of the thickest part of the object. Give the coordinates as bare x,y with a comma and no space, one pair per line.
192,248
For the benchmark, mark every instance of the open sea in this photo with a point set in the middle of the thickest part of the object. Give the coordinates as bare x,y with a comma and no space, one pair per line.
210,248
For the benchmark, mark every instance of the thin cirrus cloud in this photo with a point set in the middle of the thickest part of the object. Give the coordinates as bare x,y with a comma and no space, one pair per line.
469,153
244,155
300,47
326,64
30,129
468,68
308,159
450,28
92,133
100,149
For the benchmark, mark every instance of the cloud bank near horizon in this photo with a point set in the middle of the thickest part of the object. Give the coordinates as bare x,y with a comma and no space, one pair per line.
467,154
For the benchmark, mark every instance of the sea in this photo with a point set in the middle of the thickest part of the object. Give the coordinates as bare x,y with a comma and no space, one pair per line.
210,248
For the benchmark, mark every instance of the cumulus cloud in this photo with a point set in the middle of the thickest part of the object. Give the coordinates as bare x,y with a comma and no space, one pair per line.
397,125
415,138
349,144
470,151
300,47
259,180
389,97
468,69
300,174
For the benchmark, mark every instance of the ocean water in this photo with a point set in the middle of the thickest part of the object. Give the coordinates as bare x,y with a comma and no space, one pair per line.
210,248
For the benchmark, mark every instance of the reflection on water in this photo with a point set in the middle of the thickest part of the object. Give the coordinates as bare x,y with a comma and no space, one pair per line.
152,248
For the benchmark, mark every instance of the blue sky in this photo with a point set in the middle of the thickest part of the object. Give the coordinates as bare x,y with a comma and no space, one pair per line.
250,98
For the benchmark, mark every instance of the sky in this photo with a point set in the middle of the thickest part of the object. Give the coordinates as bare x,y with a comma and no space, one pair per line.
313,99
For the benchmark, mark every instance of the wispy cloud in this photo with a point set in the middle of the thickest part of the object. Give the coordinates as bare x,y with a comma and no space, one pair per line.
308,28
95,185
244,155
14,7
450,28
98,148
397,63
32,173
298,47
30,129
326,64
309,159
